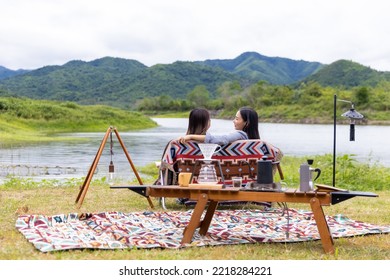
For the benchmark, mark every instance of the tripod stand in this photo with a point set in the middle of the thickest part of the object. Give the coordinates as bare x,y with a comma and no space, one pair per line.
88,178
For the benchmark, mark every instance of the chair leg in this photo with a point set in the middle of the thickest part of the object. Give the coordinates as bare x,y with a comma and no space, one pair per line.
162,203
161,199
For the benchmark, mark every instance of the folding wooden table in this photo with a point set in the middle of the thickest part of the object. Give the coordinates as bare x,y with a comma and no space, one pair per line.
212,197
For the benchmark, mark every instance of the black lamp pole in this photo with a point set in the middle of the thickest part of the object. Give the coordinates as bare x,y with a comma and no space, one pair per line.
334,140
353,115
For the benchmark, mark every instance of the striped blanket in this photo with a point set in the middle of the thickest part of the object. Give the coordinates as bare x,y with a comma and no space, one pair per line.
117,230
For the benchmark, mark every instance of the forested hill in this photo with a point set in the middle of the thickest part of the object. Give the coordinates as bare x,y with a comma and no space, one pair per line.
74,81
122,82
275,70
347,74
6,73
113,81
119,82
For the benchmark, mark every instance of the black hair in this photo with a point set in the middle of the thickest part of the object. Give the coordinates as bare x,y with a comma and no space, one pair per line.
252,122
198,121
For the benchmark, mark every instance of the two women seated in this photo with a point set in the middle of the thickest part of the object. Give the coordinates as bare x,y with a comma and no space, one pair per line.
246,125
238,156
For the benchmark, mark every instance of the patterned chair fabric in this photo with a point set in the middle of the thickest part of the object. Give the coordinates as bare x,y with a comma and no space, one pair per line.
236,159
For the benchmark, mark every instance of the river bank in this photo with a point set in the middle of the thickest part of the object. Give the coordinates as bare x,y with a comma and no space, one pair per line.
216,114
32,121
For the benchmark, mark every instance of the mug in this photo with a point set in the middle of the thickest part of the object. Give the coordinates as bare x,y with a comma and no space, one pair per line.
236,182
184,179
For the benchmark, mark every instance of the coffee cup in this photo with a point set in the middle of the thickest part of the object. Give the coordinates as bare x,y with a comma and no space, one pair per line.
184,179
237,182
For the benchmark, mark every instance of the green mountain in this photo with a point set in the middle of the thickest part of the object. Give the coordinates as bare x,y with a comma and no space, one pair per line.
254,67
73,81
113,81
7,73
122,82
175,80
347,74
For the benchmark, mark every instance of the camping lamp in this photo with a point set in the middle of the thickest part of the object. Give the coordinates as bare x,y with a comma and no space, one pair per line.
111,169
353,115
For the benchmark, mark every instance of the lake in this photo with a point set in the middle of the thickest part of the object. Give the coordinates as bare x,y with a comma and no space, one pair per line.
72,159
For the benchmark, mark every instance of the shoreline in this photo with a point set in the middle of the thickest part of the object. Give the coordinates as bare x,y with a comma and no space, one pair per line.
314,121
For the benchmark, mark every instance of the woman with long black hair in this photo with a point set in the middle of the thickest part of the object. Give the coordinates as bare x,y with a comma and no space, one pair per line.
246,124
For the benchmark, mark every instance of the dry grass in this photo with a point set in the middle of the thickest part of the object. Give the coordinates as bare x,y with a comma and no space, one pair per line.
56,200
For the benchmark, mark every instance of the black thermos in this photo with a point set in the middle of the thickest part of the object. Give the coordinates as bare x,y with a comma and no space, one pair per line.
264,171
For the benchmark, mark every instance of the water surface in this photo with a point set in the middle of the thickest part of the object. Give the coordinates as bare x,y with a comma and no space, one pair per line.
72,159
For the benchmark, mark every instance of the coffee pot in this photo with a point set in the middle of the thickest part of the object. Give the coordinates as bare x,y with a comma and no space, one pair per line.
264,171
305,176
207,173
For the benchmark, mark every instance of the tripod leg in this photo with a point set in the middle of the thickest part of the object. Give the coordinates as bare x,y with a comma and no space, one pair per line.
131,164
88,178
128,156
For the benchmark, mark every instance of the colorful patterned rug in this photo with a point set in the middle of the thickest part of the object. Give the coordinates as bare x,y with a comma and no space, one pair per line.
115,230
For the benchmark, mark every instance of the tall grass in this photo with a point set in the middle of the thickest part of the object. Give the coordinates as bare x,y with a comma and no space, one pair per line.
350,174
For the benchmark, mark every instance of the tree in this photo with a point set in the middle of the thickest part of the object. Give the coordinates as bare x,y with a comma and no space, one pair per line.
362,96
199,96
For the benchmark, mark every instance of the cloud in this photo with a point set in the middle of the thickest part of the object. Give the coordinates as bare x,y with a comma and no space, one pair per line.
44,32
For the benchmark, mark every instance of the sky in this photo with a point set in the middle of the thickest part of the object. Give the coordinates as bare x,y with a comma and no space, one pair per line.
37,33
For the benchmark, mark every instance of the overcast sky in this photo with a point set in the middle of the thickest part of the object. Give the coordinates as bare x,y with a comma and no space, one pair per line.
36,33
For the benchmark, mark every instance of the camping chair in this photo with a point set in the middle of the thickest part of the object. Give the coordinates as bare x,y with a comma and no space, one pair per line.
235,159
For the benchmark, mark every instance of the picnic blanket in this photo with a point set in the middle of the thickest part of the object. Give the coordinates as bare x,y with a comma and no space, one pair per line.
148,229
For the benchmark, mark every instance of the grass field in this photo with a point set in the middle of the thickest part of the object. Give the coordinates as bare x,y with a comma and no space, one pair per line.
25,197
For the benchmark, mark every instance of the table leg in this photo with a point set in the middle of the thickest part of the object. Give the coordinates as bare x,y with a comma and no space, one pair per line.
195,219
205,224
322,225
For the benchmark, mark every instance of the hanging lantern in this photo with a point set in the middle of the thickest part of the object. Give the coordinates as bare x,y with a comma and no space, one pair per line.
111,169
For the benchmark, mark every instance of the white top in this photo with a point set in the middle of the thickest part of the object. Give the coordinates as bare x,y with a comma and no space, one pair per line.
227,138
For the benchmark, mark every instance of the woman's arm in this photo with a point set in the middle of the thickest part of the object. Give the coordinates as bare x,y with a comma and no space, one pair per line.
193,137
225,139
215,139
